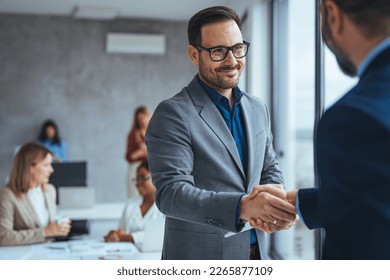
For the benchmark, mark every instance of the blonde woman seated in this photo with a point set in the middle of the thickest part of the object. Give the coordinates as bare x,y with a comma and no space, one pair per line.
137,211
27,201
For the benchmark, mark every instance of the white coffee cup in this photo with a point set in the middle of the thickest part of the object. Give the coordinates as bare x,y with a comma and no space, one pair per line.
62,220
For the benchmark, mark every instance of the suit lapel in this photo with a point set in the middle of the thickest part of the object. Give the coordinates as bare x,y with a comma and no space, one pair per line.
212,117
248,113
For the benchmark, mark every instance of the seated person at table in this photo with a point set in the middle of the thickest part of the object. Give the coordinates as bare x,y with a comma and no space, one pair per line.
137,211
27,201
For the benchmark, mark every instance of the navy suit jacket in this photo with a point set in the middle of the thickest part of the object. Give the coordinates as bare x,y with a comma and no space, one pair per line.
353,153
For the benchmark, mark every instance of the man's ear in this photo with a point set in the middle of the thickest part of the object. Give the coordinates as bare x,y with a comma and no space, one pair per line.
193,54
335,17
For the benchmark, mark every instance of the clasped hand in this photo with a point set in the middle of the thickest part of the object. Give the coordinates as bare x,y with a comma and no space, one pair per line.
118,236
57,229
269,208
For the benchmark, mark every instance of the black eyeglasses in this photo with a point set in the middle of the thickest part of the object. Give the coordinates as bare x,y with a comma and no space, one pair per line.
220,53
141,178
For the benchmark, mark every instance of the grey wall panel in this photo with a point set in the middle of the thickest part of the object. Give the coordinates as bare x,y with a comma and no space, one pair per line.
56,67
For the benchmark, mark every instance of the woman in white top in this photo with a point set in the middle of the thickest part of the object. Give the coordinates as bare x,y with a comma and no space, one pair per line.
27,202
137,211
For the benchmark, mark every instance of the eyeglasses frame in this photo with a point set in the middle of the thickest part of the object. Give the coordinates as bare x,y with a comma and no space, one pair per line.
209,50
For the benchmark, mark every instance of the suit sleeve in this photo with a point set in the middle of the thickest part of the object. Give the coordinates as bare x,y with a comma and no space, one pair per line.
353,162
308,207
171,159
353,154
8,234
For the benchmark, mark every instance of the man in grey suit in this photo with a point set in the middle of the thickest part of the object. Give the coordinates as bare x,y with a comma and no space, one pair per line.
209,149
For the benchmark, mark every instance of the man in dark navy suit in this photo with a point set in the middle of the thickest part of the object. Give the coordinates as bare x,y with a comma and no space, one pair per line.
353,139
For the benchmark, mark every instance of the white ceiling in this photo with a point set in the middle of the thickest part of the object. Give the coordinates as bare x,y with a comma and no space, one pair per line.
152,9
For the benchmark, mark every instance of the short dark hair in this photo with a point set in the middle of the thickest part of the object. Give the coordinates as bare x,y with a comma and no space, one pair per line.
373,16
206,16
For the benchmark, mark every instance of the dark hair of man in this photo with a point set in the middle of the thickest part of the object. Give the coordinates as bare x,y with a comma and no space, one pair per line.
206,16
43,134
372,16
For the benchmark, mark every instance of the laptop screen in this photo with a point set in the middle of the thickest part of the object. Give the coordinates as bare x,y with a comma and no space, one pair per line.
69,173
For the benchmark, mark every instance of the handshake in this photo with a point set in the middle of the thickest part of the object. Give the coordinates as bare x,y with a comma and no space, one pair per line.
269,208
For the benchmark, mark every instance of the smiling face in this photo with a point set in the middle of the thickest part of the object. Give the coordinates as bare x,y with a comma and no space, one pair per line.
222,75
40,171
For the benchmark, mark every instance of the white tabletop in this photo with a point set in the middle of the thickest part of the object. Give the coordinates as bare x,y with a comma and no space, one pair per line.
82,249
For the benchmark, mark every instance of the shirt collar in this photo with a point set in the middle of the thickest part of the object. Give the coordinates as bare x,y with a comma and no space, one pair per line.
216,96
372,55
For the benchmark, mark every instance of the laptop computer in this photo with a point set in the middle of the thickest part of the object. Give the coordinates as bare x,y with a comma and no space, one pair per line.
153,235
76,197
68,173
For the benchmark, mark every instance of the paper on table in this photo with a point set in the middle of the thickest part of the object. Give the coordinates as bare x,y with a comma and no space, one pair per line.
113,251
119,247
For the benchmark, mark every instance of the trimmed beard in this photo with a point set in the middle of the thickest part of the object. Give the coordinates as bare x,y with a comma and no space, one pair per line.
217,81
345,64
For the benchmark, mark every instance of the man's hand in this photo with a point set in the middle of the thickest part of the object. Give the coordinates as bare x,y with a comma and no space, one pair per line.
268,209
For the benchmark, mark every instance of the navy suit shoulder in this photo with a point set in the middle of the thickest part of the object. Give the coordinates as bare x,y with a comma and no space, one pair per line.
372,93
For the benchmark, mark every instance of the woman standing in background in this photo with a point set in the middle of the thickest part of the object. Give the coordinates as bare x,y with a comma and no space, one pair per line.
136,149
27,202
50,138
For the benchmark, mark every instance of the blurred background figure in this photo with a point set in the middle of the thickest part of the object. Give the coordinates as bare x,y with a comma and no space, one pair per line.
27,201
137,211
49,137
136,149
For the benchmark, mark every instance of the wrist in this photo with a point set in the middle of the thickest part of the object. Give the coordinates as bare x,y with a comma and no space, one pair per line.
126,237
244,216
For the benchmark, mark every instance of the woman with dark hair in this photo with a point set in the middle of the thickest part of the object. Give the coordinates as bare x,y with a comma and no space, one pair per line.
136,148
137,211
27,202
49,137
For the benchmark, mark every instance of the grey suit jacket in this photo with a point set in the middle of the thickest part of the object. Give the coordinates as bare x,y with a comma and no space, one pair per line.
18,221
199,177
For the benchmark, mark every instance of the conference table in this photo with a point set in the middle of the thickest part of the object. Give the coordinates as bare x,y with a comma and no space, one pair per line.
77,249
